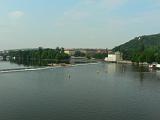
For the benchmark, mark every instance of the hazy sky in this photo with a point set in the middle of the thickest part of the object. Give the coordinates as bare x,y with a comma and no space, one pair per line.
75,23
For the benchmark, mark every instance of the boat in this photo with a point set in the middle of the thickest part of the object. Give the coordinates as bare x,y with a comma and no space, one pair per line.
154,66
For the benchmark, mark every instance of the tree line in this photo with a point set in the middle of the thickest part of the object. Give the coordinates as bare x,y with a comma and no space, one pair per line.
144,54
39,56
149,55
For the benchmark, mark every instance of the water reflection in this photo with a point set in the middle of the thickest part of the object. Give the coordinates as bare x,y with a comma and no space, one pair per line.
141,73
113,68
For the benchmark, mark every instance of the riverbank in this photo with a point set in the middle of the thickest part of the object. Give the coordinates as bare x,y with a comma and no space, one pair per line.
125,62
61,64
130,62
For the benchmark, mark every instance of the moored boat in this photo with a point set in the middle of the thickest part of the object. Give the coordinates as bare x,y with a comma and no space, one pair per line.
154,66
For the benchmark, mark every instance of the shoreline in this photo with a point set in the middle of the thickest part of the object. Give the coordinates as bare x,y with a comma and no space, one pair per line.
128,62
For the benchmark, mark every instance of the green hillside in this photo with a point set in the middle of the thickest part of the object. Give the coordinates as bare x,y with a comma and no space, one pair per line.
141,49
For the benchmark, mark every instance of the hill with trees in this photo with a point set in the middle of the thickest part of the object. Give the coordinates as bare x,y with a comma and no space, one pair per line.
141,49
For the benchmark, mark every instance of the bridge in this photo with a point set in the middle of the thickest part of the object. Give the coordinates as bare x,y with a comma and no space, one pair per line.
4,56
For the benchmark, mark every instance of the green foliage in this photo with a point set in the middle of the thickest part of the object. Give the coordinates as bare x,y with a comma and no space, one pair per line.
79,54
40,55
100,55
141,49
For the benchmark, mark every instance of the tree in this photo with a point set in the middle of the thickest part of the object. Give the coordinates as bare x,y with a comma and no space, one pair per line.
40,56
79,54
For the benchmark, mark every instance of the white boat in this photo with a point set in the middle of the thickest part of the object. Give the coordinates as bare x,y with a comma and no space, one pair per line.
154,65
158,66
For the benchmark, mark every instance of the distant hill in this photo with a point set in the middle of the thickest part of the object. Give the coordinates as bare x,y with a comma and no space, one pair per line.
136,43
139,45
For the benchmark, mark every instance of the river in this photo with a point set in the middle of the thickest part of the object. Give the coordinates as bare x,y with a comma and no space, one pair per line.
86,92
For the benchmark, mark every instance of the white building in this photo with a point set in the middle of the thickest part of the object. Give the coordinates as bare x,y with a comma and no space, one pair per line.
70,52
114,57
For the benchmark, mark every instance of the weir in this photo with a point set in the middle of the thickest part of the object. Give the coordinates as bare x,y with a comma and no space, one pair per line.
40,68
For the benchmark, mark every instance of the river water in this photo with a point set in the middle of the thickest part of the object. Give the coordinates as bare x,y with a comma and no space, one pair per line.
86,92
8,65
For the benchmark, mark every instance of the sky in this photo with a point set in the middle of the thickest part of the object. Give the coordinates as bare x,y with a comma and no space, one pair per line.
75,23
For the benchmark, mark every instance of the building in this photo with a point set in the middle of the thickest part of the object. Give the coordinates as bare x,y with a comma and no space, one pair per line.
70,52
102,51
88,51
114,57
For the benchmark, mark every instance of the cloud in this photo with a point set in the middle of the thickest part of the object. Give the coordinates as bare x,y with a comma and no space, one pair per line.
16,14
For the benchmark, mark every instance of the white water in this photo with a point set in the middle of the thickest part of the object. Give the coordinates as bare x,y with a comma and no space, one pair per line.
20,69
